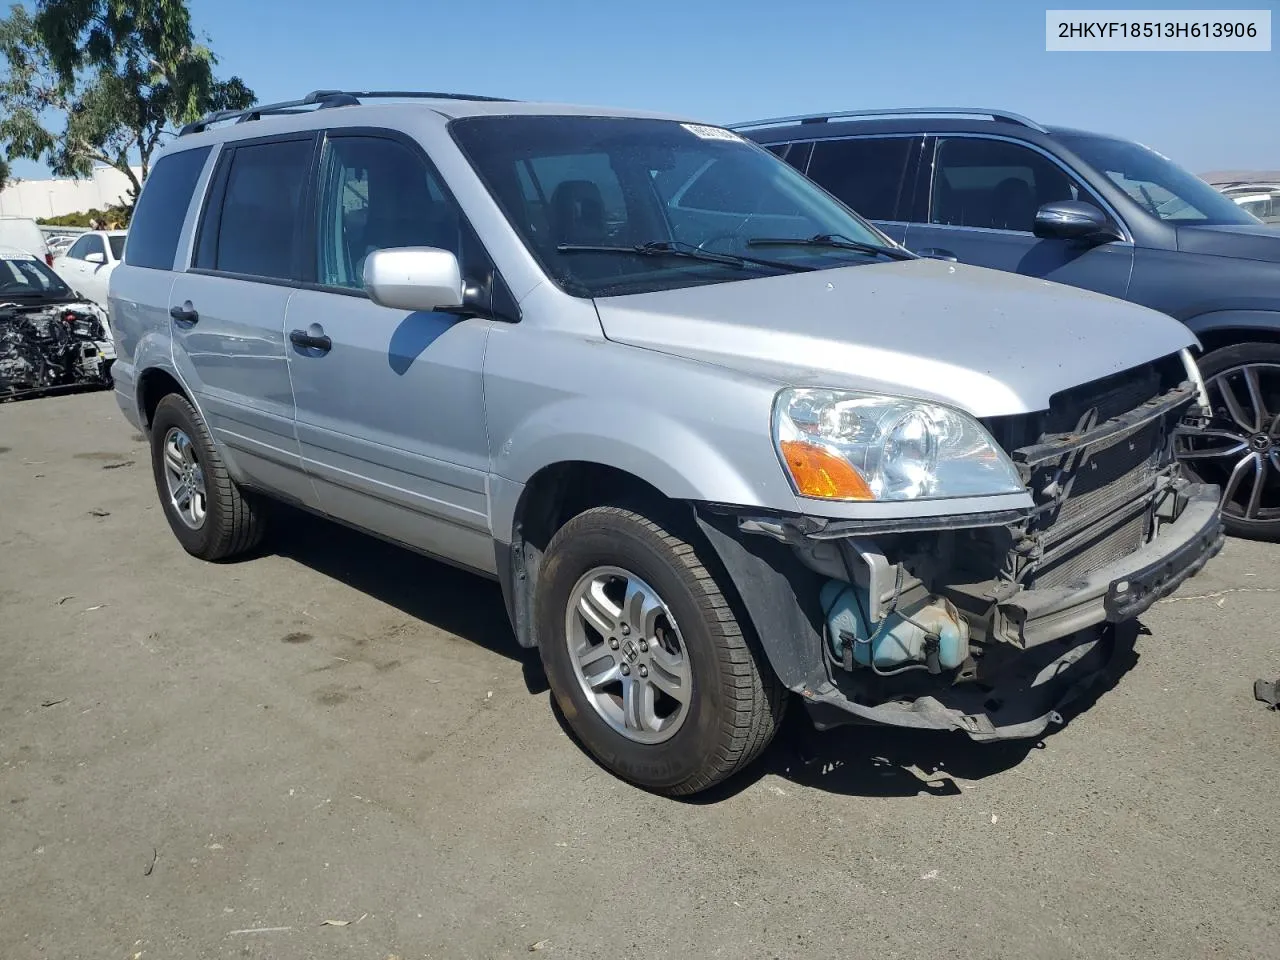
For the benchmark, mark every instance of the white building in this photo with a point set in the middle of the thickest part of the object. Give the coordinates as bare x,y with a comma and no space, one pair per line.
53,198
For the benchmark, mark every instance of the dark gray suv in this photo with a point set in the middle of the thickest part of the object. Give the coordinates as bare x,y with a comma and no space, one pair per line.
995,189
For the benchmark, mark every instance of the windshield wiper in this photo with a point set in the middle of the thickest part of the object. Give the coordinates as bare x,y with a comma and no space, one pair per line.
676,248
832,241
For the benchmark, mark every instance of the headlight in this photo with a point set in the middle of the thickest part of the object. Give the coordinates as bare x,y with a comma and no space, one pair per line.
838,445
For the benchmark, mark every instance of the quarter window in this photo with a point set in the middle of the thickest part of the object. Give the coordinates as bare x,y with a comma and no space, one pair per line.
866,173
995,184
257,225
162,208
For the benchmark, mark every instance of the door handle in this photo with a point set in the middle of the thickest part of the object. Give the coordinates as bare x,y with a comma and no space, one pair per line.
300,338
937,253
185,314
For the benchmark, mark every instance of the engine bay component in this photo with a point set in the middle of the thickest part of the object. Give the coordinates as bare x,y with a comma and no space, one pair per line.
926,634
46,347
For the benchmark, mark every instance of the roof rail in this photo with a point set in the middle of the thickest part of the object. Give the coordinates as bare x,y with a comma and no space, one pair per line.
1003,116
323,99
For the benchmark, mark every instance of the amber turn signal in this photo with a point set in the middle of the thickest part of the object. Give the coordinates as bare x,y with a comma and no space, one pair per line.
818,473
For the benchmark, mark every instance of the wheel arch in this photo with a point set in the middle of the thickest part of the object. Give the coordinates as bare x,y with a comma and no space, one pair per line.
1224,328
554,494
153,385
772,591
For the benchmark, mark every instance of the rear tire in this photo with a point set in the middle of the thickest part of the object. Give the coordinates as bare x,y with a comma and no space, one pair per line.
703,702
1241,448
210,515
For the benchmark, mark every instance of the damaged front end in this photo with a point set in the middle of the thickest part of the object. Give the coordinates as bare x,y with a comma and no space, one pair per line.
50,347
989,623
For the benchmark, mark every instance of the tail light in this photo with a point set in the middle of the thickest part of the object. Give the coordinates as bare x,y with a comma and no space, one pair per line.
48,259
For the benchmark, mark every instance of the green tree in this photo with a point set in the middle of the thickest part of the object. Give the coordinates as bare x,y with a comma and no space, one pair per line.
104,81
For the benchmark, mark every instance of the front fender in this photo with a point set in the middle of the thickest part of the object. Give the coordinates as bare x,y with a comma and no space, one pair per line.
649,444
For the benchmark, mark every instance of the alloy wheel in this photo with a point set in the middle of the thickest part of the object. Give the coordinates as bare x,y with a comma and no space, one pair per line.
628,655
184,478
1239,448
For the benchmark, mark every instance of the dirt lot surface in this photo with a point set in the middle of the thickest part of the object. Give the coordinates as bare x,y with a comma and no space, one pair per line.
209,761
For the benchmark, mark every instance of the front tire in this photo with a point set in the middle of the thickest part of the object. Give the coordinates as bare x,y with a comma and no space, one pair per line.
645,656
210,515
1240,448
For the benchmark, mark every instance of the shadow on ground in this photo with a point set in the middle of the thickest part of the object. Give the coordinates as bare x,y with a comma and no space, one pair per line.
858,760
881,761
878,761
458,602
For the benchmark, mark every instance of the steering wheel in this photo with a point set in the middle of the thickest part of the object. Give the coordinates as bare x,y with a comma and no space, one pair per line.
716,238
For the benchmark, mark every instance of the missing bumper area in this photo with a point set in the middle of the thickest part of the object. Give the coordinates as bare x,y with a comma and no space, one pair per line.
987,623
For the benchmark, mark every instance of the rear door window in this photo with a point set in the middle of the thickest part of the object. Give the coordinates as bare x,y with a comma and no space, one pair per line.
256,228
117,246
866,173
162,208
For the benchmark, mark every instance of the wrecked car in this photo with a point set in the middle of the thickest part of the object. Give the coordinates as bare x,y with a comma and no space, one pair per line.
50,339
723,443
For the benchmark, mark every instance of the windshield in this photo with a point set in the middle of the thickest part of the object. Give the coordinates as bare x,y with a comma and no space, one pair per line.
572,185
1156,184
22,275
117,246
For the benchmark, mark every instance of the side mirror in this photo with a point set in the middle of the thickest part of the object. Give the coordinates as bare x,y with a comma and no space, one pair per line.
413,278
95,258
1074,220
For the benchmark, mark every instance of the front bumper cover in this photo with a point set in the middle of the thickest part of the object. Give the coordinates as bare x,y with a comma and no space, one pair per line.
1072,634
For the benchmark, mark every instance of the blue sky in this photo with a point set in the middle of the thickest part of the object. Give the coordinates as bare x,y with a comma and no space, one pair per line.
727,61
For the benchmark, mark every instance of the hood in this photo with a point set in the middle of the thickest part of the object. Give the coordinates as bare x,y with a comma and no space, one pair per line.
988,342
1247,241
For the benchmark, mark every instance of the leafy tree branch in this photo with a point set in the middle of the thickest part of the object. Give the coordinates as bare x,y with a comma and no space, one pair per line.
103,81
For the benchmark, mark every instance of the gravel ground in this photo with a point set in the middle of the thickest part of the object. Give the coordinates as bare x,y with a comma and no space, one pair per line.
212,760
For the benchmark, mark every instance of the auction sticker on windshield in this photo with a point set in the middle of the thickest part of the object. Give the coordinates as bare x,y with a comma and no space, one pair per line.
711,133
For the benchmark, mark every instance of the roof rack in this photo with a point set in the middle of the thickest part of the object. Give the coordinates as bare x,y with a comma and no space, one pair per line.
324,99
1003,116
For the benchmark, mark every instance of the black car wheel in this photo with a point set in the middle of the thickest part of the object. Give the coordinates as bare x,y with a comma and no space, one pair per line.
1239,449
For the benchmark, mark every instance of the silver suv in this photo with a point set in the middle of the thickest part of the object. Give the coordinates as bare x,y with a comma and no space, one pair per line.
720,440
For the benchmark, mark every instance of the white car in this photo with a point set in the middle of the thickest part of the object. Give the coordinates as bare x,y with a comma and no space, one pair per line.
60,245
1260,199
23,233
87,265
